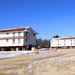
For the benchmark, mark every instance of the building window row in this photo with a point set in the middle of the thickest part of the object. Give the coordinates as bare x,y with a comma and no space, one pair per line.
65,44
26,33
7,40
19,33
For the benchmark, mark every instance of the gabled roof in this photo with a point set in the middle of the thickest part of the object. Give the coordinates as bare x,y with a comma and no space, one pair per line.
13,30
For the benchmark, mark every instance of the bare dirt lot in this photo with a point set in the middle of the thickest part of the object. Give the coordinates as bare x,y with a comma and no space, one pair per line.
61,62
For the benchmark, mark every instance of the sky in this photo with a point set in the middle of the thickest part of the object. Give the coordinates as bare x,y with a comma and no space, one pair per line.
47,17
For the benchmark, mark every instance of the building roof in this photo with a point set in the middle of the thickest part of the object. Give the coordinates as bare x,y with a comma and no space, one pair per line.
12,30
68,38
65,38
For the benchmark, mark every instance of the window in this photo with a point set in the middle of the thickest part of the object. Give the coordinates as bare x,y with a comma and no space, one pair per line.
33,34
13,40
6,40
58,40
13,33
71,43
26,33
64,40
58,43
19,33
19,40
7,33
64,44
26,39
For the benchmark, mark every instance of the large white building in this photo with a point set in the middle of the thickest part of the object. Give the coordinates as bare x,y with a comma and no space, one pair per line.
63,42
17,39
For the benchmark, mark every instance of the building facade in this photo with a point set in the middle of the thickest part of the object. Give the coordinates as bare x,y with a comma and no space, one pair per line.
63,42
17,39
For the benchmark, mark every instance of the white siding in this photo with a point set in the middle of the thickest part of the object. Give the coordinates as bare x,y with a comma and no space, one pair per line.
59,42
2,35
31,40
10,42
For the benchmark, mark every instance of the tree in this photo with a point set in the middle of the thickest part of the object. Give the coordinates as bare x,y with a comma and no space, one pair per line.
43,43
46,43
56,36
39,42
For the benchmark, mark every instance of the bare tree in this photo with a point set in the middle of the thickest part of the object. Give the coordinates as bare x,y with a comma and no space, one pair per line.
43,43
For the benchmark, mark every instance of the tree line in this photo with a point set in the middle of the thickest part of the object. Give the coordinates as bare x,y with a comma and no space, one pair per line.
42,43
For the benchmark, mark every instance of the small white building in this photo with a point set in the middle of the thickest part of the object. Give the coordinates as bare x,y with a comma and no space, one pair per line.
63,42
17,39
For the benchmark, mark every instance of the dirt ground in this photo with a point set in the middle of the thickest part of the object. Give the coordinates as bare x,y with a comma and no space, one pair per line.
61,62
